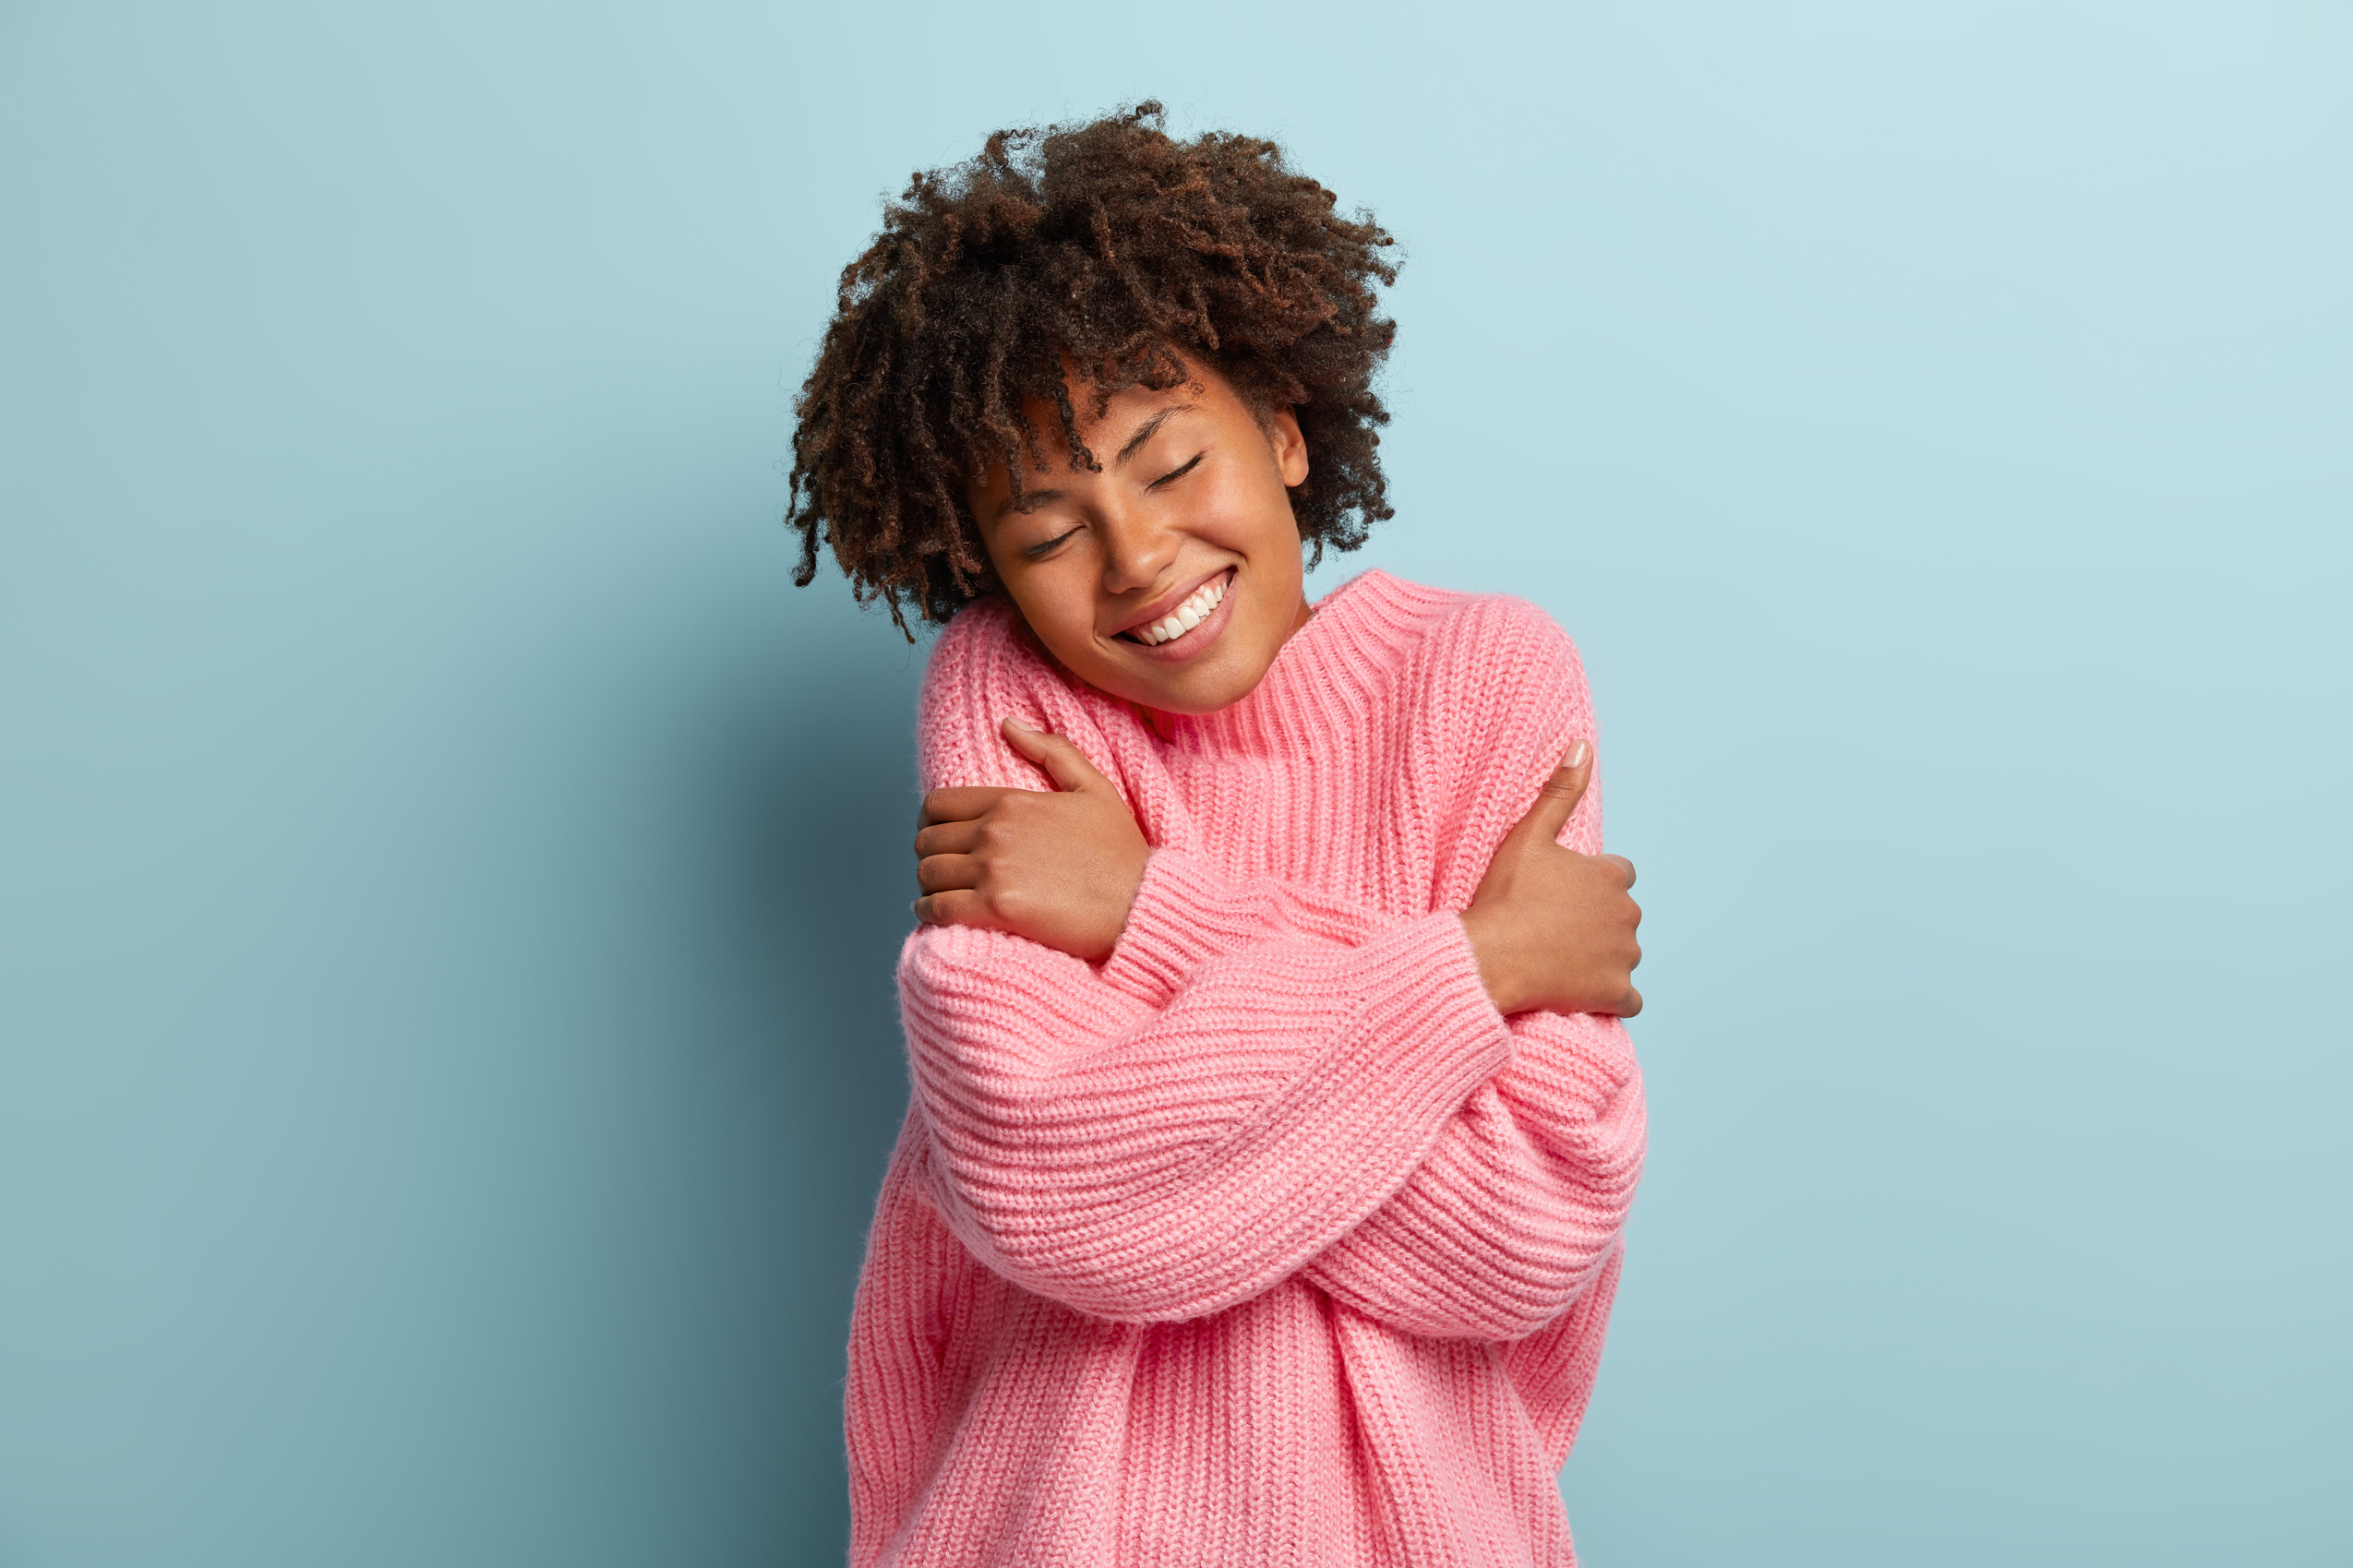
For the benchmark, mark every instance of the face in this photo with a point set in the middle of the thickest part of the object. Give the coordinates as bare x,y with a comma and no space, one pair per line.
1172,577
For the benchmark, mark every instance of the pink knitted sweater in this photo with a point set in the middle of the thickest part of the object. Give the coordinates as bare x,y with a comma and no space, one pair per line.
1268,1241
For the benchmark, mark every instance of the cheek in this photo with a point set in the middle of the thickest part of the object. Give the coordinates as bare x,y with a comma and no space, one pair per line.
1251,519
1057,598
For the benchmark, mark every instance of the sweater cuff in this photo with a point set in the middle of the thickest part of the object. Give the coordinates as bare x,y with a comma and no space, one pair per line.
1186,913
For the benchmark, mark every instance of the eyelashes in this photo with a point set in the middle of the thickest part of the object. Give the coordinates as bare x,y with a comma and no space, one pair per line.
1039,552
1179,471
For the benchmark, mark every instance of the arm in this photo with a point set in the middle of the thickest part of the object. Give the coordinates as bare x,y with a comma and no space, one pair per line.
1521,1205
1163,1156
1520,1201
1151,1164
1517,1199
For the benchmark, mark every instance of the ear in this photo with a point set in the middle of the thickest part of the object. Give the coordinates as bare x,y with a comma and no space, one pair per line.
1289,447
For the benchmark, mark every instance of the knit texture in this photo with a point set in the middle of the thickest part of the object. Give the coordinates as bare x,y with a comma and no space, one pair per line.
1267,1241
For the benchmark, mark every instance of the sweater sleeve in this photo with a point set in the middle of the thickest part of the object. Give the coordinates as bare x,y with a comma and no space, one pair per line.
1520,1203
1161,1156
1264,1079
1155,1162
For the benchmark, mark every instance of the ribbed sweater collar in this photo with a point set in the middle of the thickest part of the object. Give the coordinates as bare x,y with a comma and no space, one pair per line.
1326,681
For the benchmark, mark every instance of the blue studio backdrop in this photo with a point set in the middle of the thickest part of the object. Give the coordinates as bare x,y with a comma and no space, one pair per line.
449,878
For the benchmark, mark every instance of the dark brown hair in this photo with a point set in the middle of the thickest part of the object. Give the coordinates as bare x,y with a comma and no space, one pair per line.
1108,249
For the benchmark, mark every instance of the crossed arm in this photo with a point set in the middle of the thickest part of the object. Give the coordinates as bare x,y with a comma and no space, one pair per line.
1553,930
1259,1081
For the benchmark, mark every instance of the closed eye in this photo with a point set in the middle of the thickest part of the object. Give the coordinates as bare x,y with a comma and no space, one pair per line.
1176,474
1039,552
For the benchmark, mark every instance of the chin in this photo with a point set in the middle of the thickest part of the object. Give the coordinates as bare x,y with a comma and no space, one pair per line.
1218,683
1224,671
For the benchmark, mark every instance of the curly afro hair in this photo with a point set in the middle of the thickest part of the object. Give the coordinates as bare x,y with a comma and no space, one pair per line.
1112,249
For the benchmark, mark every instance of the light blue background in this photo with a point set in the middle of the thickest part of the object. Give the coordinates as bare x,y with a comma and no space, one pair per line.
450,877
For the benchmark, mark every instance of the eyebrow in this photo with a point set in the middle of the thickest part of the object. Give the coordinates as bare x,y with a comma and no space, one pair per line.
1149,429
1030,500
1027,501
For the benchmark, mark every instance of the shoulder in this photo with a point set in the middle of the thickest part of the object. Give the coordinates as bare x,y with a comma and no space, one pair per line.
1494,693
1463,652
982,650
980,670
1500,637
983,668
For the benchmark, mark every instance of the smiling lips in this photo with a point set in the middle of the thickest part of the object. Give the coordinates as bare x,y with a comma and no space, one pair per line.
1185,616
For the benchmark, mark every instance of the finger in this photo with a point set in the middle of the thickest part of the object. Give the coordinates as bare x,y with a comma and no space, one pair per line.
945,873
961,804
960,907
1561,792
1623,864
1064,762
948,838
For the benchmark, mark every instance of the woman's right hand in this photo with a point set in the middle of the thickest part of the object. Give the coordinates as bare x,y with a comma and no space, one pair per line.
1553,930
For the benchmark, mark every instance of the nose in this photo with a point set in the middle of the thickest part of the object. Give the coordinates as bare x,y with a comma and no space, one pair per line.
1137,553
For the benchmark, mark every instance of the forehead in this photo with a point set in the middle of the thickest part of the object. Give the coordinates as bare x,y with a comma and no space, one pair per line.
1046,458
1103,420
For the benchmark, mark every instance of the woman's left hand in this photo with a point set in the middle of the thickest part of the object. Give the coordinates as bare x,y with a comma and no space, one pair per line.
1060,868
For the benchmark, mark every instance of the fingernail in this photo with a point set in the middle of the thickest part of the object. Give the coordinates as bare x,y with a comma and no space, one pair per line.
1576,754
1014,719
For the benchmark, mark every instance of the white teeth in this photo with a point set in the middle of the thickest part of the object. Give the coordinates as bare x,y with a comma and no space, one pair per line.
1190,613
